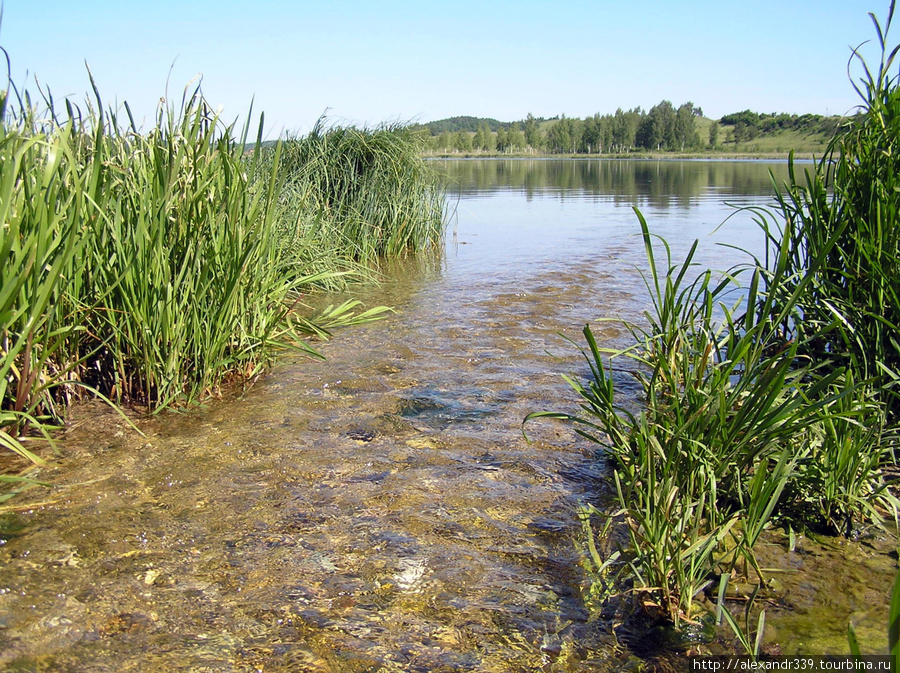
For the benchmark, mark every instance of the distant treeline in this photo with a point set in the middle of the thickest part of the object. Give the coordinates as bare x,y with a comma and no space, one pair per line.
663,127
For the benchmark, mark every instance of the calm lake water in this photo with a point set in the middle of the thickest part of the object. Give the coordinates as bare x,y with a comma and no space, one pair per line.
381,510
556,214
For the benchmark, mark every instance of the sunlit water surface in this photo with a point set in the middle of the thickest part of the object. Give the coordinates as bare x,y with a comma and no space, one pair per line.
381,510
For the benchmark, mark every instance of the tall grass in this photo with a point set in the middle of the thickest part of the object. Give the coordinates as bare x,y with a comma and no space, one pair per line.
167,280
367,191
42,202
839,236
777,405
728,423
854,228
179,284
151,266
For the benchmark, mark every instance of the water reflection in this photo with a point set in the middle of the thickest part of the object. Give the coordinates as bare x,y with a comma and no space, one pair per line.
657,183
518,216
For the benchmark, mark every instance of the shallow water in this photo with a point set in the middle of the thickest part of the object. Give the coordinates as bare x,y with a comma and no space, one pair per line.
380,510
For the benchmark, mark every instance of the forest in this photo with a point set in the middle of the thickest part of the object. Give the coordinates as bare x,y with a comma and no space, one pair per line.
662,128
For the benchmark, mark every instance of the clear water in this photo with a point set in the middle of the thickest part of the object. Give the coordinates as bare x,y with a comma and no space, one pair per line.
380,510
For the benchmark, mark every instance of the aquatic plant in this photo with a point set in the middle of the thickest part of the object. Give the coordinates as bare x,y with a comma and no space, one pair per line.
367,191
42,218
151,266
777,403
702,467
847,213
839,235
178,285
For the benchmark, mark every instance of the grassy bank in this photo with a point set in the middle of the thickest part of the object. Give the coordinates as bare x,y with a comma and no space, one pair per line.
770,391
149,266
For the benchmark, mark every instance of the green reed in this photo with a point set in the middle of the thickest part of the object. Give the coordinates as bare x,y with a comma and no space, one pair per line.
699,471
777,404
43,217
737,427
367,191
848,214
839,235
150,266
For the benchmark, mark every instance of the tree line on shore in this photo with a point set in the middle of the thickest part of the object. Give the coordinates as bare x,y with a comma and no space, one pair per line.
662,128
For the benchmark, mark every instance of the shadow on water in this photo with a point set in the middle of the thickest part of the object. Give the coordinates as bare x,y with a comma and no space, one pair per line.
379,511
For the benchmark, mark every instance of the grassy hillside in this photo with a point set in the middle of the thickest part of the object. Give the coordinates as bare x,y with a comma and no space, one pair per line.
780,141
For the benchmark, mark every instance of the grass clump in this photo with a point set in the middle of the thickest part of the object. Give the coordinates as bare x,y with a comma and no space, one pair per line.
180,284
151,273
39,240
780,404
367,192
150,266
733,416
847,214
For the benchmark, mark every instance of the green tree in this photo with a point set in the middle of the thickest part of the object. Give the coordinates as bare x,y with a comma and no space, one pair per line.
487,142
624,129
592,134
516,138
502,140
685,134
565,135
532,133
478,140
462,141
713,134
657,129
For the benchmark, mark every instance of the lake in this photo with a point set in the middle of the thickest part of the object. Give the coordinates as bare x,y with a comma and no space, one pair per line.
381,510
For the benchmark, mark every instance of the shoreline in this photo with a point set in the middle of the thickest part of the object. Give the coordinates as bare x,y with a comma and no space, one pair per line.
637,156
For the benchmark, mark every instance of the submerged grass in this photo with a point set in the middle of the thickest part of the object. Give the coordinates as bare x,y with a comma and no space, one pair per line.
780,405
149,267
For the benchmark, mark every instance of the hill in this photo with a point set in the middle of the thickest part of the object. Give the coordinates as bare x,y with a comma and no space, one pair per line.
465,124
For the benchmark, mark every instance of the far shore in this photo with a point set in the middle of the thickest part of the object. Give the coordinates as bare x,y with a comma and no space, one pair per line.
640,156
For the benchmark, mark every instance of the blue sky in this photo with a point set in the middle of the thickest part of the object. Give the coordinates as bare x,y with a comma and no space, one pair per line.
369,62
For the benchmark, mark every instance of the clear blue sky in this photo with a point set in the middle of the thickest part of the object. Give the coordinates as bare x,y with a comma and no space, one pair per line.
371,61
